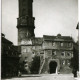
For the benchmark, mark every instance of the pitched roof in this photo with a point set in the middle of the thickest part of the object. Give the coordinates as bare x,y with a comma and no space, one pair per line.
4,40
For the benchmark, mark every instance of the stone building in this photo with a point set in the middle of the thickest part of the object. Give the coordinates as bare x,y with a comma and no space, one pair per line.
55,51
9,58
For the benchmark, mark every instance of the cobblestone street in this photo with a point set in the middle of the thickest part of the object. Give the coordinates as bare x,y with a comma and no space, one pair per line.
45,77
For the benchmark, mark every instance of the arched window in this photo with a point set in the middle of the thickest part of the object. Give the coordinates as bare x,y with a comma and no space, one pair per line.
63,54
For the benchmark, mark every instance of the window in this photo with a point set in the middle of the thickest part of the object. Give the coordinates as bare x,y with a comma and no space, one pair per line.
61,44
41,53
68,62
33,52
54,53
25,57
68,54
63,53
53,44
69,44
63,62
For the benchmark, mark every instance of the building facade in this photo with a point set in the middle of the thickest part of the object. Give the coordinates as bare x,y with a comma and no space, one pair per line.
58,51
55,51
9,58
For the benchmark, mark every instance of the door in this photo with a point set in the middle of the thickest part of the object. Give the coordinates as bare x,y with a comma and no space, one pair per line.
52,67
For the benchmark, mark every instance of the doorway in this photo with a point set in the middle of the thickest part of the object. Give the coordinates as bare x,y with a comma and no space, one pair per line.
52,67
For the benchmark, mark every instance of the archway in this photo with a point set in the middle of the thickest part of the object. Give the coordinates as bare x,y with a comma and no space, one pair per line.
52,67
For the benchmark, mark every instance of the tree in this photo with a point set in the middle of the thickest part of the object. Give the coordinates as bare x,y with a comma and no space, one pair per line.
35,65
75,59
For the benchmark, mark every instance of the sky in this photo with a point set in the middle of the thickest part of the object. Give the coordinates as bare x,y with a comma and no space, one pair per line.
51,18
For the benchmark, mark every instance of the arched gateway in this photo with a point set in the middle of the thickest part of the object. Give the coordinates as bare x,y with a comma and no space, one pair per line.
52,67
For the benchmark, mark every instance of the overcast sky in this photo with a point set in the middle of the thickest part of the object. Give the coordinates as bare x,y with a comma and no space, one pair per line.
51,17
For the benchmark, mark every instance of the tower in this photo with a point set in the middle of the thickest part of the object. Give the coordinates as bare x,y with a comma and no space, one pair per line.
25,22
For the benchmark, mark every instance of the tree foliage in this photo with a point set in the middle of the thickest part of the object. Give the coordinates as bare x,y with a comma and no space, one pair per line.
75,59
35,65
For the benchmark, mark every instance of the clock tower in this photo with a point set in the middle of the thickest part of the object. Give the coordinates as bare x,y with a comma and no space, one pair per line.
25,22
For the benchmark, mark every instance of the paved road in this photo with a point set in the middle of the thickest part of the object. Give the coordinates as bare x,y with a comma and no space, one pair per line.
45,77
